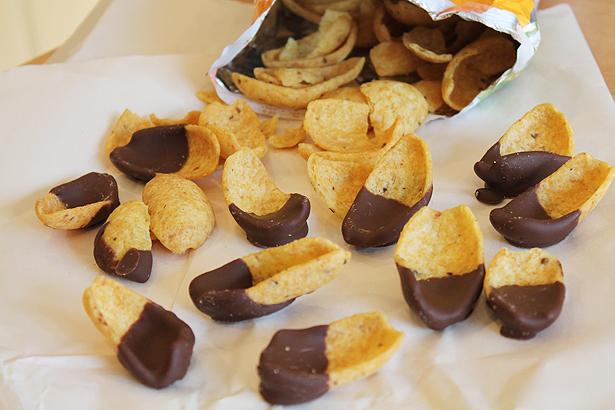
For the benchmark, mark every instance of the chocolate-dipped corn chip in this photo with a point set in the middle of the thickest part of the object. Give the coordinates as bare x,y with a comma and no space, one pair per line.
190,151
398,186
152,343
440,259
525,290
268,216
546,213
85,201
123,245
262,283
300,365
532,148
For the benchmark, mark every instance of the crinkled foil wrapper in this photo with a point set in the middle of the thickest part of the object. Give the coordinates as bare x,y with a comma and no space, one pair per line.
244,54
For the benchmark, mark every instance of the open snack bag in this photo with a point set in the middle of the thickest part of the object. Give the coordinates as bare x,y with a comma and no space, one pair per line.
455,53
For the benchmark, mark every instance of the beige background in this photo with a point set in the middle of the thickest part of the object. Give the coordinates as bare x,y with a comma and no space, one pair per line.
29,28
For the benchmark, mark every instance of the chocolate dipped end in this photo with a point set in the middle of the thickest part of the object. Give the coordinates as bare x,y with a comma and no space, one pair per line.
292,367
278,228
89,189
510,175
375,221
526,310
524,223
163,149
221,294
157,348
135,265
442,302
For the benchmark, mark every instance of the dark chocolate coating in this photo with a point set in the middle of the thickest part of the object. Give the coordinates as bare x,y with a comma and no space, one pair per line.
375,221
163,149
221,294
510,175
278,228
525,223
157,348
292,367
135,265
442,302
89,189
526,310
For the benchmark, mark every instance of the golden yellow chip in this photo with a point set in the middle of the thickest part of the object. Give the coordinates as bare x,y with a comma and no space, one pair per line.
476,67
239,119
122,132
428,44
338,177
350,92
192,118
432,91
391,99
296,98
268,126
299,77
307,149
543,128
338,125
291,138
393,58
209,97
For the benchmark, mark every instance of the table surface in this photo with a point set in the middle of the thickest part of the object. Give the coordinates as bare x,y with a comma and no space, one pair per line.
595,18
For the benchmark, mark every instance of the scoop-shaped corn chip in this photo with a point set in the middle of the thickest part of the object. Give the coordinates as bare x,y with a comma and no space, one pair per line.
398,186
190,151
432,91
181,215
126,125
338,177
338,125
347,93
262,283
300,365
428,44
525,290
269,126
392,58
272,58
209,97
408,13
291,138
240,120
269,216
475,67
152,343
85,201
123,245
299,77
191,118
440,259
530,150
391,99
297,97
386,28
306,149
547,212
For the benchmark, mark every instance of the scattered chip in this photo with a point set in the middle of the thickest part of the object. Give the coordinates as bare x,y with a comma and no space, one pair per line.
191,118
85,201
440,259
262,283
209,97
525,290
547,212
126,125
291,138
397,187
338,177
123,245
152,343
268,216
181,215
531,149
300,365
391,99
428,44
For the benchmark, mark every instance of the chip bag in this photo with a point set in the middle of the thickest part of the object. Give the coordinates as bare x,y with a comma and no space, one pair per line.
468,49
